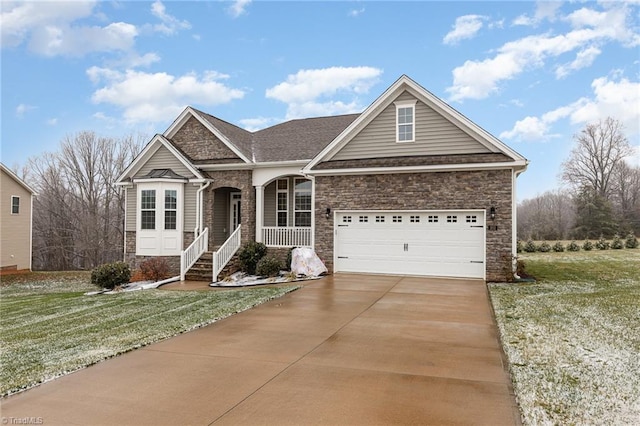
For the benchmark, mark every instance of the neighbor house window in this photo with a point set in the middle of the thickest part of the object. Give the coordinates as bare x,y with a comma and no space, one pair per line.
302,202
282,203
148,209
170,209
15,205
405,121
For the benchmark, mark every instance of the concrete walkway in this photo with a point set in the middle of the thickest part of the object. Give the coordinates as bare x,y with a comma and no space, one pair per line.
347,349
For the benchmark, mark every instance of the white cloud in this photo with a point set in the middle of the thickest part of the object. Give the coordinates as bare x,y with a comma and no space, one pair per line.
354,13
619,99
52,121
584,59
170,24
238,7
154,97
306,92
544,10
479,79
465,27
254,124
22,109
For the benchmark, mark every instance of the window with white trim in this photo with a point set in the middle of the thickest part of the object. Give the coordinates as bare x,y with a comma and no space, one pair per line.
15,204
282,202
405,121
170,209
302,202
148,209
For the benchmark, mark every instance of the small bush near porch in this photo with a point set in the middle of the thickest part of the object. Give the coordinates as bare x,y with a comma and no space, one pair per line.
573,338
50,328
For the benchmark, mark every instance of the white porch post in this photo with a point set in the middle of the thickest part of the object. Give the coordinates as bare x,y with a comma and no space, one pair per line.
313,210
259,212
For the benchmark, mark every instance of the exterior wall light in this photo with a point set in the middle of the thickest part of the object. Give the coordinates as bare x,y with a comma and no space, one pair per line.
327,213
492,213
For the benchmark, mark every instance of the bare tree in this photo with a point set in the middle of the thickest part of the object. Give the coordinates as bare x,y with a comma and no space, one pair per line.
549,216
599,149
626,197
78,214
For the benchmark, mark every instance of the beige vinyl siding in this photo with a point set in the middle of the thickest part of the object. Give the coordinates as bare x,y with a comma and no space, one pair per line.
130,223
15,241
434,135
189,217
164,159
270,204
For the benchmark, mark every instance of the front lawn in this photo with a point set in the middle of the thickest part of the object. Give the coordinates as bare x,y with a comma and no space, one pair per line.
48,328
573,338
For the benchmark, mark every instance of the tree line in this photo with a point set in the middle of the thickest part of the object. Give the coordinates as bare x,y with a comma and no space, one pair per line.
600,196
78,213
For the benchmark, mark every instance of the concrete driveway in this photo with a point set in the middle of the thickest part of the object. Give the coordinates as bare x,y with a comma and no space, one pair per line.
346,349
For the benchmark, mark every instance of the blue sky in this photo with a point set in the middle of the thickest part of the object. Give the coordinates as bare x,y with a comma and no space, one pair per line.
532,74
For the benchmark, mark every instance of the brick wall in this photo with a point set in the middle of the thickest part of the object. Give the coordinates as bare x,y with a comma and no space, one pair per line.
420,191
198,143
134,261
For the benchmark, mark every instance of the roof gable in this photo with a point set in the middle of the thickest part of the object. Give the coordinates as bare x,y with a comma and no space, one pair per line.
233,138
469,134
157,143
17,179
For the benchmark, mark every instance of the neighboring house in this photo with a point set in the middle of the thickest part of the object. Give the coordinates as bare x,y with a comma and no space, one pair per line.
409,186
16,208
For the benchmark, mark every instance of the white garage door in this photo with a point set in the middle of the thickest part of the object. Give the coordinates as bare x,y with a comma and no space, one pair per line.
435,243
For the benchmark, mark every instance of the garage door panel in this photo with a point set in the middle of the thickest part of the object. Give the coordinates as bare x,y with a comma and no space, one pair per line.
414,243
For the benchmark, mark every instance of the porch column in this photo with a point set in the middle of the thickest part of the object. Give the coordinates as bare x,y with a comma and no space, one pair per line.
259,212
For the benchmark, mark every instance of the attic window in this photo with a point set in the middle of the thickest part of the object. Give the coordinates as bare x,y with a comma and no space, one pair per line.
405,121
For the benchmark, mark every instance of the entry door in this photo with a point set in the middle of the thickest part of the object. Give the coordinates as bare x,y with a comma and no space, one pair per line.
235,214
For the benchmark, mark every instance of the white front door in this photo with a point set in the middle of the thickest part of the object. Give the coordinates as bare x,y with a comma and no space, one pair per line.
159,221
435,243
235,212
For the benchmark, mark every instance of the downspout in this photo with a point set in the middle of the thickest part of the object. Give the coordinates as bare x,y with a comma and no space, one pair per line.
514,225
199,210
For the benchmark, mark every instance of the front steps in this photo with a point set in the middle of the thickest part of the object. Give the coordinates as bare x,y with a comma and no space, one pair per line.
202,270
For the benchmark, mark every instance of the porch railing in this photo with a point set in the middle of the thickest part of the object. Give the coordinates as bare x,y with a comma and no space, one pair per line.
225,253
290,236
191,254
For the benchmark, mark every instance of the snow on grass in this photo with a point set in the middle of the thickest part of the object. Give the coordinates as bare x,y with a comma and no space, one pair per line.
47,333
573,344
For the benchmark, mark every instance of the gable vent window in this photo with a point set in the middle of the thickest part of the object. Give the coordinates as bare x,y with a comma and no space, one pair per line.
397,219
405,121
363,219
380,219
433,219
346,219
472,219
414,219
452,219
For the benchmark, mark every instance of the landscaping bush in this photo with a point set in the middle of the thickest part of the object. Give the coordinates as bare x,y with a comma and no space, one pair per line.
249,256
268,266
155,269
602,244
111,275
573,246
530,247
558,247
544,247
631,241
587,246
519,246
617,243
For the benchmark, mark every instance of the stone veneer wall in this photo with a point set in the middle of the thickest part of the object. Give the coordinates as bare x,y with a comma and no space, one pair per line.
420,191
242,180
198,143
429,160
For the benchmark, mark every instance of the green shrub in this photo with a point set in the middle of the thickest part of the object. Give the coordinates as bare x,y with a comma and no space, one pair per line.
573,246
631,241
544,247
155,269
249,256
617,243
268,266
558,247
530,247
111,275
588,245
519,246
602,244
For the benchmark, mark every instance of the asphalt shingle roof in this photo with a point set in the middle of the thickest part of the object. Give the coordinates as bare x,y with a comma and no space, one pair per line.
300,139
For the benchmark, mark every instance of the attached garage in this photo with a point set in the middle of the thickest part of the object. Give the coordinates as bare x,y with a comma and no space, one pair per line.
447,243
